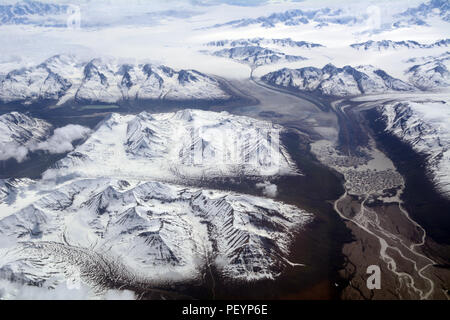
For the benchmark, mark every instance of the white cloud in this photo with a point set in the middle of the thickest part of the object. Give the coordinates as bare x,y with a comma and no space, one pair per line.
62,138
13,150
268,189
60,142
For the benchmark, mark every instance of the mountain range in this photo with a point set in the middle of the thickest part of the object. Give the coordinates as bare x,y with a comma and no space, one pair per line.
333,81
256,56
264,42
63,78
162,231
389,44
326,16
188,144
34,13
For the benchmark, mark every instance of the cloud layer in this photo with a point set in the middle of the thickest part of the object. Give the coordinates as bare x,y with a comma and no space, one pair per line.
60,142
268,189
62,138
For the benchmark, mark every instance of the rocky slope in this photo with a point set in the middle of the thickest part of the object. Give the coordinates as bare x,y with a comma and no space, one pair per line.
425,125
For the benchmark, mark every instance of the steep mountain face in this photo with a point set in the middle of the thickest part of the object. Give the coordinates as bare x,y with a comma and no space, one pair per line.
262,42
18,132
34,12
159,231
256,56
425,125
432,74
389,44
182,145
63,78
339,82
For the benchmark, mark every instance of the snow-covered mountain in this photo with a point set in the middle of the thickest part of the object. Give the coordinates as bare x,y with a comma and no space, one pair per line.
432,74
10,188
18,133
389,44
35,13
256,56
63,78
333,81
159,231
186,144
322,16
106,209
348,16
432,8
263,42
425,125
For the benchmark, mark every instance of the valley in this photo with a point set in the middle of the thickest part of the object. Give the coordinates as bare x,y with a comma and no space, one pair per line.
225,150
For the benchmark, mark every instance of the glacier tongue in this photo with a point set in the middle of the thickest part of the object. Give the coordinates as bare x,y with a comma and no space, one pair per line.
156,228
188,144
